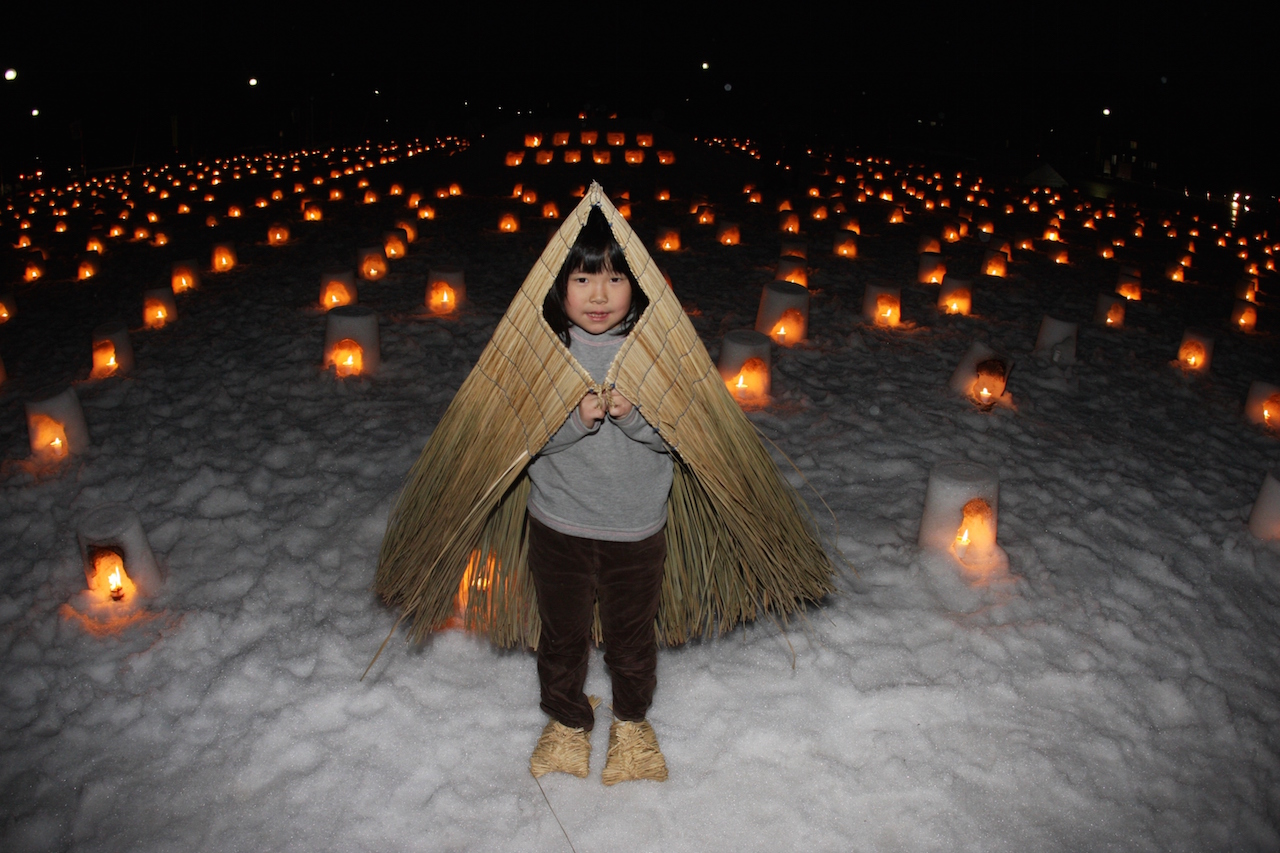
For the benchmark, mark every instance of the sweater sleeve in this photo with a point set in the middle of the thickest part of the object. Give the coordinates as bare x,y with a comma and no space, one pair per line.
637,429
570,433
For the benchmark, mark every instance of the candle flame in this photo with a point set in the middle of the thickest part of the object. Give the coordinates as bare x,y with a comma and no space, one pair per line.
347,358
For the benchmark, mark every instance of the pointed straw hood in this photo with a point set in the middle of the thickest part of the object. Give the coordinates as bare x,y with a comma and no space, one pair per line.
737,544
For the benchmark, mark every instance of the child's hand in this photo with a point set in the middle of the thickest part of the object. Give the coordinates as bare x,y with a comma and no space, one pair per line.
591,410
619,406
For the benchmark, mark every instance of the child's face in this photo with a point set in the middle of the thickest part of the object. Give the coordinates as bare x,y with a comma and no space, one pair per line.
597,301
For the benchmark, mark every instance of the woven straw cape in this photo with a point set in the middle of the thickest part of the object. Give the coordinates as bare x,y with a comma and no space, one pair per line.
737,544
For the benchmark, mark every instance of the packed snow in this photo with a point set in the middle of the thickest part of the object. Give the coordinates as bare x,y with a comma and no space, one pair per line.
1115,688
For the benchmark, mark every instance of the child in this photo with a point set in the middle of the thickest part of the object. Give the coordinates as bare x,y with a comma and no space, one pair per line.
597,512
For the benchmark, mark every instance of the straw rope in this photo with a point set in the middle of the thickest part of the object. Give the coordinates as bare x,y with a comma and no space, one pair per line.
737,545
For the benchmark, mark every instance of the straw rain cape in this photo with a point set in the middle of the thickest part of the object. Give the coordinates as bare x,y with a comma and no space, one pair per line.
737,544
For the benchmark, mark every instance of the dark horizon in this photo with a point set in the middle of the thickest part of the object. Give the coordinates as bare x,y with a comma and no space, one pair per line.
1178,132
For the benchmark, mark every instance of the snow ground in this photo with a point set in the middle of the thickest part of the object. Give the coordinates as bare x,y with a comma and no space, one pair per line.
1116,689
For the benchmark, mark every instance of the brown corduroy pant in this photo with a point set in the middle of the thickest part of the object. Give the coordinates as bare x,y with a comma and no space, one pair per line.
569,573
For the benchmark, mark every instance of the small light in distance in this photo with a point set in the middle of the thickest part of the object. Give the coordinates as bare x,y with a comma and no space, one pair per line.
11,74
1106,111
253,81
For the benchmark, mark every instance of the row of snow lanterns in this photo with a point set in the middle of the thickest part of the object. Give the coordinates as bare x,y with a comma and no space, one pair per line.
544,156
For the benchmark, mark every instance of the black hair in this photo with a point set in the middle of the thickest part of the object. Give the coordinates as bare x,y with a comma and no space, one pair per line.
595,250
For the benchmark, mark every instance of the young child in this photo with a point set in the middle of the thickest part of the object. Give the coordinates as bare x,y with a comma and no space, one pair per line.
597,512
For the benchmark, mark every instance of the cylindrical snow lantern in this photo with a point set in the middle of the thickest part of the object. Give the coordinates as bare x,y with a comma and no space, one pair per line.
932,268
1195,352
351,342
1262,406
338,289
981,376
1056,342
783,314
882,306
1110,311
446,289
159,308
117,558
1264,520
112,350
746,365
371,263
184,276
955,296
56,427
961,509
793,269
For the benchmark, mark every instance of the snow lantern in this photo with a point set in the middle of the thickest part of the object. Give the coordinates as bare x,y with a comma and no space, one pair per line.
34,270
1056,342
896,216
795,249
351,343
928,244
1129,287
745,360
337,289
961,508
446,289
995,263
509,223
1264,520
955,296
572,155
515,158
728,234
668,239
159,308
882,306
601,156
846,245
1262,406
371,263
224,257
394,244
117,558
88,269
981,376
644,140
850,224
789,222
784,312
112,350
1244,316
550,210
312,211
277,234
56,427
1110,311
666,158
1195,352
792,269
932,268
409,228
615,138
1247,289
8,307
950,232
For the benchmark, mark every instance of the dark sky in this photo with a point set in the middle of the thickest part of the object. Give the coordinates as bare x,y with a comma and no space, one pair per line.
1194,95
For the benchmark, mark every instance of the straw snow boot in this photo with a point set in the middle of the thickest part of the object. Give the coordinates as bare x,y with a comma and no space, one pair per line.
563,750
633,753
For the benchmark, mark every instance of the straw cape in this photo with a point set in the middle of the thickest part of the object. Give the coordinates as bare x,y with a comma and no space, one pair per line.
738,546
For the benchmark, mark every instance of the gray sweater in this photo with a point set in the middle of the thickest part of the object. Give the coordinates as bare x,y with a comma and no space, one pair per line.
609,482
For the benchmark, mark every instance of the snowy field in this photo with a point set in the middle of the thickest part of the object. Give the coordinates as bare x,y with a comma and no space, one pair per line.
1116,689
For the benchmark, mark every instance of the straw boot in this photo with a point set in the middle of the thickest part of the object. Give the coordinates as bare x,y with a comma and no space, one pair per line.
633,753
561,749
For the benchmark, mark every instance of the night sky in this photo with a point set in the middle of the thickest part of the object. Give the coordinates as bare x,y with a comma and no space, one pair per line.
1191,101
